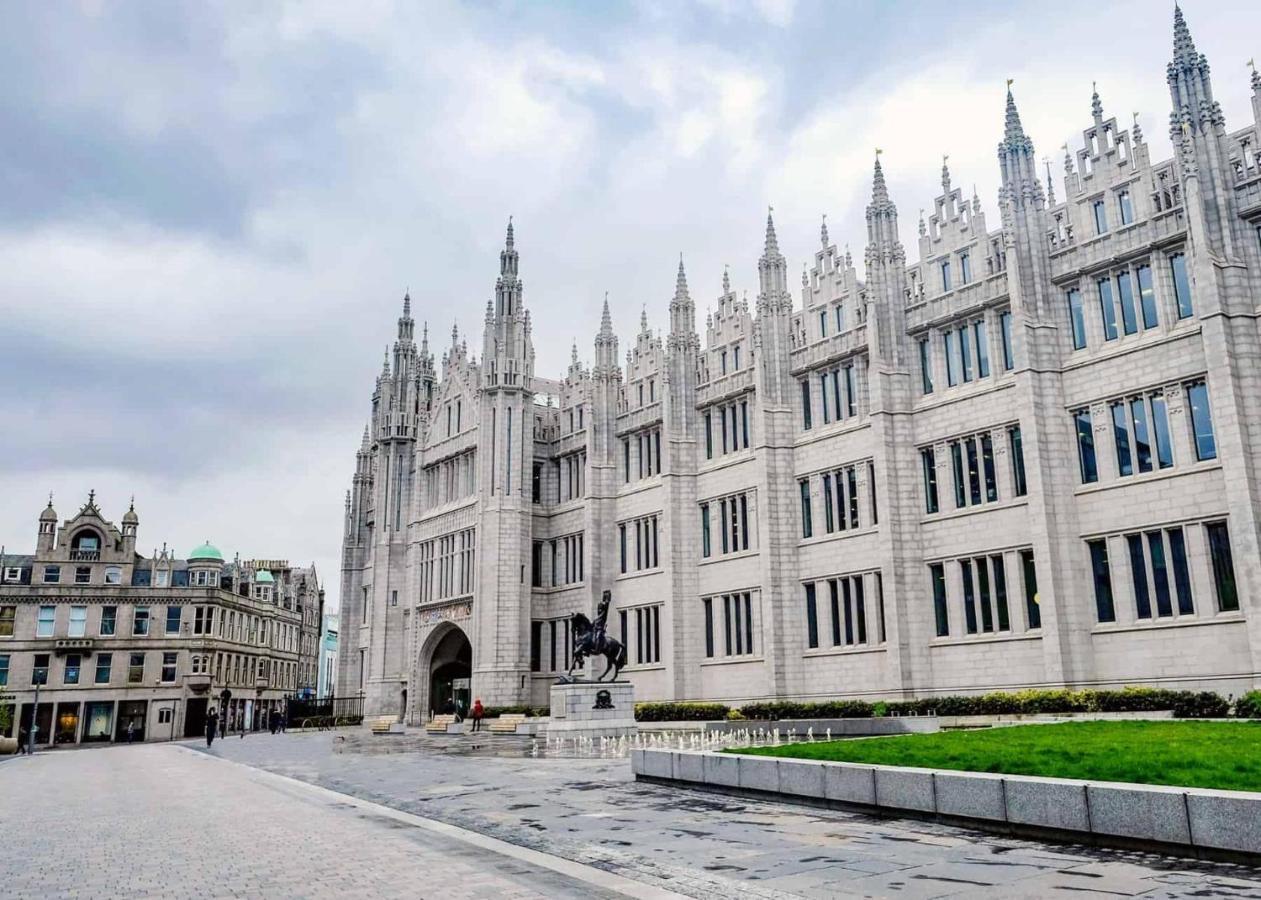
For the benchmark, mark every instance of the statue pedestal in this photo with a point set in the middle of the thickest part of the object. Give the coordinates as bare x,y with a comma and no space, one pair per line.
593,709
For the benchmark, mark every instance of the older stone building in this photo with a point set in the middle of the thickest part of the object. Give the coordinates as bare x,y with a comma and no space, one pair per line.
1028,458
120,643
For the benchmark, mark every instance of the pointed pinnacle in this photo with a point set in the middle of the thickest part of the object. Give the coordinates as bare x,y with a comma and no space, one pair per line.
680,282
772,242
879,190
1183,46
643,318
606,320
1015,132
945,175
509,242
726,281
823,233
1096,105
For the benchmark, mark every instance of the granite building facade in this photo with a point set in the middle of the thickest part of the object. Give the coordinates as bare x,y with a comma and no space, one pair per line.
127,647
1028,458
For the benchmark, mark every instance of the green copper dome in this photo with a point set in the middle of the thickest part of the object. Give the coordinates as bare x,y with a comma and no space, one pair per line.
206,551
262,576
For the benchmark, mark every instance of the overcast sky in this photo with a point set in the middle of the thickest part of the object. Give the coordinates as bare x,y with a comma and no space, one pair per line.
209,212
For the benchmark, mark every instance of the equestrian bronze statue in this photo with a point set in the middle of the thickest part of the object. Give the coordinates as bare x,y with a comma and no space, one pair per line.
592,639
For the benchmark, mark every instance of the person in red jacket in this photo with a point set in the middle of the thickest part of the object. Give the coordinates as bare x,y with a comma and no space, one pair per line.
477,713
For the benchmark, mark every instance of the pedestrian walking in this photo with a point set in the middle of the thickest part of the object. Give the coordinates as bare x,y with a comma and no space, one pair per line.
284,721
272,723
477,713
212,722
131,732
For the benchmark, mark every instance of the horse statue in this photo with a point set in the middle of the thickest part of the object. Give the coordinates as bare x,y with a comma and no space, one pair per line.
592,639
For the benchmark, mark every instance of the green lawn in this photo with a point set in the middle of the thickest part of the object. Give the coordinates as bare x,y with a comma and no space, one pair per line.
1225,755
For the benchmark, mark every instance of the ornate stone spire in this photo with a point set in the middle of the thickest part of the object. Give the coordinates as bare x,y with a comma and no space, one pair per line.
1050,185
680,281
643,319
1183,47
385,366
1256,76
606,319
1136,132
772,242
726,281
1096,105
945,175
879,190
1013,133
823,233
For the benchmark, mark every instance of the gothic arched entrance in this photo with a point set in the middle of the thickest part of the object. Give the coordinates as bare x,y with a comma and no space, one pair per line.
450,670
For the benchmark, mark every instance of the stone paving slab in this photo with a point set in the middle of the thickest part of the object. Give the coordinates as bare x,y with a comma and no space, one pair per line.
708,845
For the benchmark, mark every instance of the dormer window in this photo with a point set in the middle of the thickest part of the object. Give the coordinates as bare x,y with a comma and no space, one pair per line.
162,578
113,575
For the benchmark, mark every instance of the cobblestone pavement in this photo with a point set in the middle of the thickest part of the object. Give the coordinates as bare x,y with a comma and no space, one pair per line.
706,845
159,820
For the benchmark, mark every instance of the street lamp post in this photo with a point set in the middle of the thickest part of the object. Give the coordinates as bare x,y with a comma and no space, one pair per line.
30,736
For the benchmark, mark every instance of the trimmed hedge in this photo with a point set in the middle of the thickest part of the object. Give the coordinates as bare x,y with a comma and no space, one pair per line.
680,712
494,712
1249,705
1184,704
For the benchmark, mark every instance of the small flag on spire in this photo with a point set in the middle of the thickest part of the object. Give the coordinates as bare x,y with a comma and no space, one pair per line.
1010,82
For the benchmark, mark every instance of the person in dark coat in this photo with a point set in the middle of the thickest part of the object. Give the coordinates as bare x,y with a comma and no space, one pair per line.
131,732
212,725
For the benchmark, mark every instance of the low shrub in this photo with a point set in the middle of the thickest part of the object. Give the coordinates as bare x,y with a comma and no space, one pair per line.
680,712
1184,705
1249,705
494,712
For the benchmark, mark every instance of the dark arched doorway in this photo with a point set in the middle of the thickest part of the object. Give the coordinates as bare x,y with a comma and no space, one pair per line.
450,671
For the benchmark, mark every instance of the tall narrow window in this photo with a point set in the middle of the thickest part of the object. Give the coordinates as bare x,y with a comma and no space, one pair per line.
1138,568
1181,285
1121,436
1160,425
621,533
1000,592
1142,435
1033,610
1160,573
1100,211
807,525
708,604
851,393
925,366
981,334
812,618
952,361
805,404
1107,309
1223,566
829,514
928,460
1201,421
969,596
1009,357
937,574
974,472
1016,446
709,436
823,398
1086,447
965,354
987,468
965,268
1181,571
945,275
1127,207
705,544
1129,314
1104,608
960,483
1077,319
1147,297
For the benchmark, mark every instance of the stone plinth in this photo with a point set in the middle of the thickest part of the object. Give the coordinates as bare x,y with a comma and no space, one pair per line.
592,709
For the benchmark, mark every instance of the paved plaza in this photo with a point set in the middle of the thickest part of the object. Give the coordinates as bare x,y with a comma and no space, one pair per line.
450,817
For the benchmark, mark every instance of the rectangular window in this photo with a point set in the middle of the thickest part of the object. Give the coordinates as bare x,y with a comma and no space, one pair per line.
1147,297
52,574
1077,319
104,663
1127,207
1104,609
965,268
1086,447
1181,571
1121,436
1201,421
44,624
78,622
1000,592
937,574
823,323
1107,309
1160,573
1142,436
83,575
974,473
172,620
168,668
965,353
1009,356
705,542
1129,314
708,603
4,669
928,459
981,334
1160,424
140,621
851,393
1223,566
945,275
1032,609
829,514
925,366
39,669
969,598
135,669
1016,446
1138,569
823,398
807,524
952,361
812,618
987,469
1181,285
109,619
1100,211
8,614
805,404
956,462
70,673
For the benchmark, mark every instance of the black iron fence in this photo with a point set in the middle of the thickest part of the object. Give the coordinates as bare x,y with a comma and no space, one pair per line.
330,712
